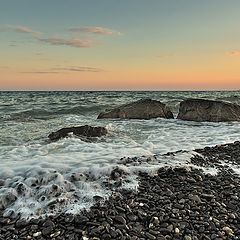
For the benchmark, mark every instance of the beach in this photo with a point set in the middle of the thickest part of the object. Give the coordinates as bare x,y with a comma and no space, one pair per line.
174,203
145,179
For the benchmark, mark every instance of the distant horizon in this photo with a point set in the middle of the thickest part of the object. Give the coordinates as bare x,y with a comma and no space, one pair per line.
217,90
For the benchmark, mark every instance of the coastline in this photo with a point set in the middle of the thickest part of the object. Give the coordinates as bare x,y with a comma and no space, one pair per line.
175,203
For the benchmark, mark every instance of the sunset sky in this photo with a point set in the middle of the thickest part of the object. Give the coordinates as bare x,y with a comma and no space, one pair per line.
120,45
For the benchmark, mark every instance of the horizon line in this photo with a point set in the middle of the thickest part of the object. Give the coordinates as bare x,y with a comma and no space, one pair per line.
185,90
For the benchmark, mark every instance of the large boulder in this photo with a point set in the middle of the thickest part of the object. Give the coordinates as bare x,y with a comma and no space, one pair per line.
142,109
208,110
82,131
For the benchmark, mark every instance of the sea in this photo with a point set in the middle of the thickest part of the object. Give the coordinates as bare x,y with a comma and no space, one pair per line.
40,178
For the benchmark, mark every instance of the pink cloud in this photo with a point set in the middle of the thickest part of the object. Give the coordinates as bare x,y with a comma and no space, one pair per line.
74,42
234,53
97,30
23,30
79,69
67,69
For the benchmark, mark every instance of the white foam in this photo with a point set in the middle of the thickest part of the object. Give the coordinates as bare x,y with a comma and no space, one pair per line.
58,170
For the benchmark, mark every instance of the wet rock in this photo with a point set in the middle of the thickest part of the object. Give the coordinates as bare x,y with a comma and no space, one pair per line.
21,223
208,110
47,230
69,219
142,109
82,131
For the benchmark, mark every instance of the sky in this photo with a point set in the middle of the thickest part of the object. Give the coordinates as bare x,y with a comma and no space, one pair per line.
120,45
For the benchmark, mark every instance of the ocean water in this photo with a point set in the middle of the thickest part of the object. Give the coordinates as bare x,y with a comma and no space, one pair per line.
39,177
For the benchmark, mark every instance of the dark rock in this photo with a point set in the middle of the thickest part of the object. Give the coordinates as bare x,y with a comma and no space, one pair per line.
120,219
49,223
47,230
106,237
208,110
69,219
207,196
21,223
150,236
82,131
142,109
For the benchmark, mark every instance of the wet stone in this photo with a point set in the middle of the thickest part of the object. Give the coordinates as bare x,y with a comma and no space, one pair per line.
69,219
81,219
21,223
47,230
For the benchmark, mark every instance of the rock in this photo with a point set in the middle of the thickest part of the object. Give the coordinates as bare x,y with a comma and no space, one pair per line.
36,234
81,219
49,223
121,219
84,131
209,197
227,229
195,198
47,230
21,223
142,109
208,110
149,236
55,234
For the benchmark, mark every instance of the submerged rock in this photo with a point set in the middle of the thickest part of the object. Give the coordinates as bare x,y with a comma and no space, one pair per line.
85,131
208,110
142,109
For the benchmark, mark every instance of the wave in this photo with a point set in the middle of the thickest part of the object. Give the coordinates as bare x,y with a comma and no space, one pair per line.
43,114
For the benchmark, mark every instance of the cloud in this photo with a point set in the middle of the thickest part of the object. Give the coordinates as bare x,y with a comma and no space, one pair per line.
96,30
74,42
234,53
167,56
80,69
67,69
22,29
40,72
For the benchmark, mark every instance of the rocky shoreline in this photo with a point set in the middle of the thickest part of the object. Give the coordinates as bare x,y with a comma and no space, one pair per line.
175,203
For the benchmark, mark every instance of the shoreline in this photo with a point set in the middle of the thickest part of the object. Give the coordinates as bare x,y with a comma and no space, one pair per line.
175,203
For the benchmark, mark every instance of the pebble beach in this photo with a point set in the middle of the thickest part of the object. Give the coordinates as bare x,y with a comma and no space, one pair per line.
174,203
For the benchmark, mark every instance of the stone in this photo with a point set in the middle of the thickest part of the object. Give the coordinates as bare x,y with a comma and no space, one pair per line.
208,110
47,230
121,219
195,198
36,234
142,109
49,223
149,236
21,223
82,131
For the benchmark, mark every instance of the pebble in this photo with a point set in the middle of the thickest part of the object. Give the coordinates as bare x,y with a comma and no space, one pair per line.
37,234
